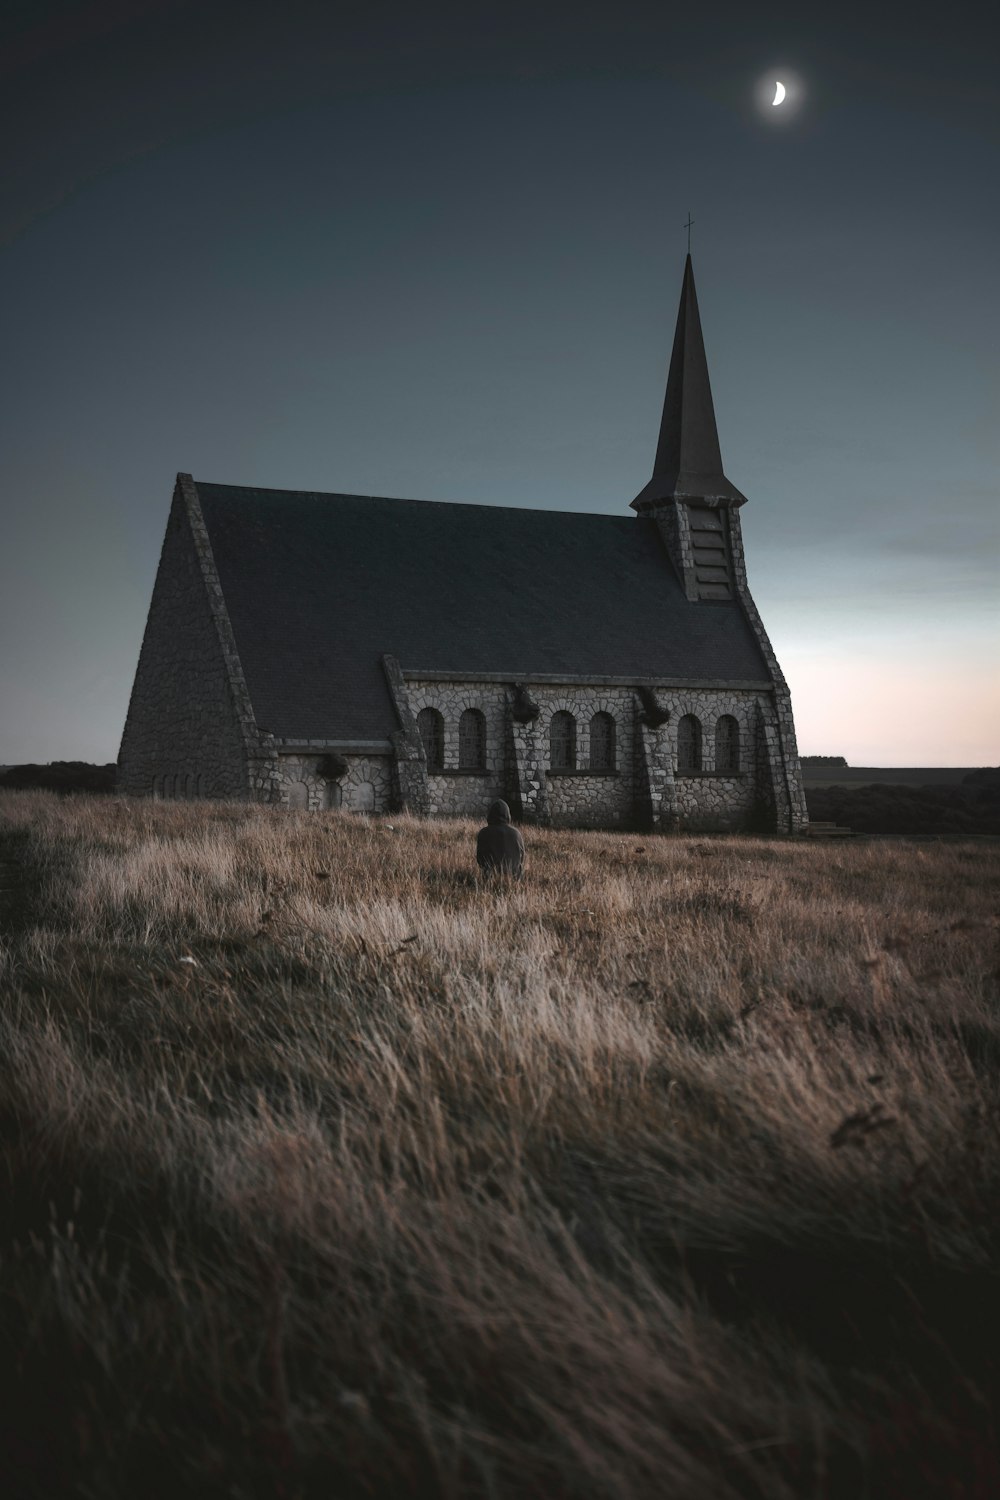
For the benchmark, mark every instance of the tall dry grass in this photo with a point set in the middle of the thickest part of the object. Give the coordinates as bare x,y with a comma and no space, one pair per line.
331,1171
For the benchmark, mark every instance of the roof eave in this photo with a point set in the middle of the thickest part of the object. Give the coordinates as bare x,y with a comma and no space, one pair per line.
690,489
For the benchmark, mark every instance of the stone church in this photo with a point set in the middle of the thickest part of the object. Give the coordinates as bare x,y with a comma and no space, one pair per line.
349,651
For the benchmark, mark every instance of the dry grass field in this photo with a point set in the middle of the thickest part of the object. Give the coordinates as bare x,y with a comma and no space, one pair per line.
328,1170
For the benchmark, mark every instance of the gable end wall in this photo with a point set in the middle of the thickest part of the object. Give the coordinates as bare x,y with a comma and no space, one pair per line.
182,719
791,812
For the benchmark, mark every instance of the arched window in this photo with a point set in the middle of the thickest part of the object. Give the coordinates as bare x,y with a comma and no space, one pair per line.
199,788
689,744
602,743
472,741
189,788
169,788
334,794
298,794
727,744
431,726
562,741
364,797
157,788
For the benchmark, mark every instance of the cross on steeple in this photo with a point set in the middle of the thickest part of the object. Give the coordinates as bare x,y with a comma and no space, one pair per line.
687,226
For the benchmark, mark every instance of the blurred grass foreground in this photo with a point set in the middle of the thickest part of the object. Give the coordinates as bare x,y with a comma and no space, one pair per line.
329,1170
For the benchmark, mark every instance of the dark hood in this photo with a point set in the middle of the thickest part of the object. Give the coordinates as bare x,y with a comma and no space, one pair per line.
499,812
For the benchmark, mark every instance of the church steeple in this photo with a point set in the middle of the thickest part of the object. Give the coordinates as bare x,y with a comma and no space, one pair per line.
688,464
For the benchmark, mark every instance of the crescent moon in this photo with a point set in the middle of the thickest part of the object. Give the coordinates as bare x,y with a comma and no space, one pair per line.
779,93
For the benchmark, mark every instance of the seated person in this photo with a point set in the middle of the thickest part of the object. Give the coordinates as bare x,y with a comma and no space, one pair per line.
500,847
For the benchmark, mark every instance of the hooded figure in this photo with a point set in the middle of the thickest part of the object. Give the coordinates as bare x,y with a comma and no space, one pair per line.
499,846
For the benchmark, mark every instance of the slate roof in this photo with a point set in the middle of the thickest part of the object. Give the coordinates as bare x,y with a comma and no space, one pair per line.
318,587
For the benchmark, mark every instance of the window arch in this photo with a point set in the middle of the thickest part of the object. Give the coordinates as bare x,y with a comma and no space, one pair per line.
562,741
472,741
602,742
431,727
689,744
727,744
298,794
364,797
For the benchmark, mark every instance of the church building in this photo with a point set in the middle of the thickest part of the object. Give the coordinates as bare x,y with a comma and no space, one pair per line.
349,651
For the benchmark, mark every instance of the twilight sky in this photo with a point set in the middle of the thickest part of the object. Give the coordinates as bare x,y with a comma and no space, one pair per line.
436,250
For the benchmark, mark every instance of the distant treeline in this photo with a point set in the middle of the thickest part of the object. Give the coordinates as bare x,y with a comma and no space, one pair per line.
972,807
823,760
61,776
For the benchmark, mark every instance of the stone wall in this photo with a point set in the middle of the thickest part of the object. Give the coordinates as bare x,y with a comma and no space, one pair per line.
673,522
714,798
411,791
791,813
783,792
584,798
453,792
184,734
190,730
643,790
366,786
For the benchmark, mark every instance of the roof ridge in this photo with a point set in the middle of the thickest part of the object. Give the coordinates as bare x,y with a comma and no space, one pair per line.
539,510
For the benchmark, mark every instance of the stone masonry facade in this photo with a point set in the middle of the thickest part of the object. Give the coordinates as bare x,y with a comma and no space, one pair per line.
643,788
191,732
365,786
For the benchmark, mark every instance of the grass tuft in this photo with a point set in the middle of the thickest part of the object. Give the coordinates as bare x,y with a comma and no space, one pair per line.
331,1170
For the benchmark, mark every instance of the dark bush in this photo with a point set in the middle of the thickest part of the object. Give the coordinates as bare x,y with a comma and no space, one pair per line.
524,710
908,809
61,776
986,776
653,712
332,767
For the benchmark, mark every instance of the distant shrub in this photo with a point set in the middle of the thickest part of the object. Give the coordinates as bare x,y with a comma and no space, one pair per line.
908,809
333,767
985,776
61,776
822,760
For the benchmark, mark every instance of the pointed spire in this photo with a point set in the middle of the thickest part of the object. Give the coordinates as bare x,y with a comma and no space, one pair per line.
688,463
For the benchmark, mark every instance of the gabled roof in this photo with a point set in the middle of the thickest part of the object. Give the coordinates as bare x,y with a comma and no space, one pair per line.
319,587
688,462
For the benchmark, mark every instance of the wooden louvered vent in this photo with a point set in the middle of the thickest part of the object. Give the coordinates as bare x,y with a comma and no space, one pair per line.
710,545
